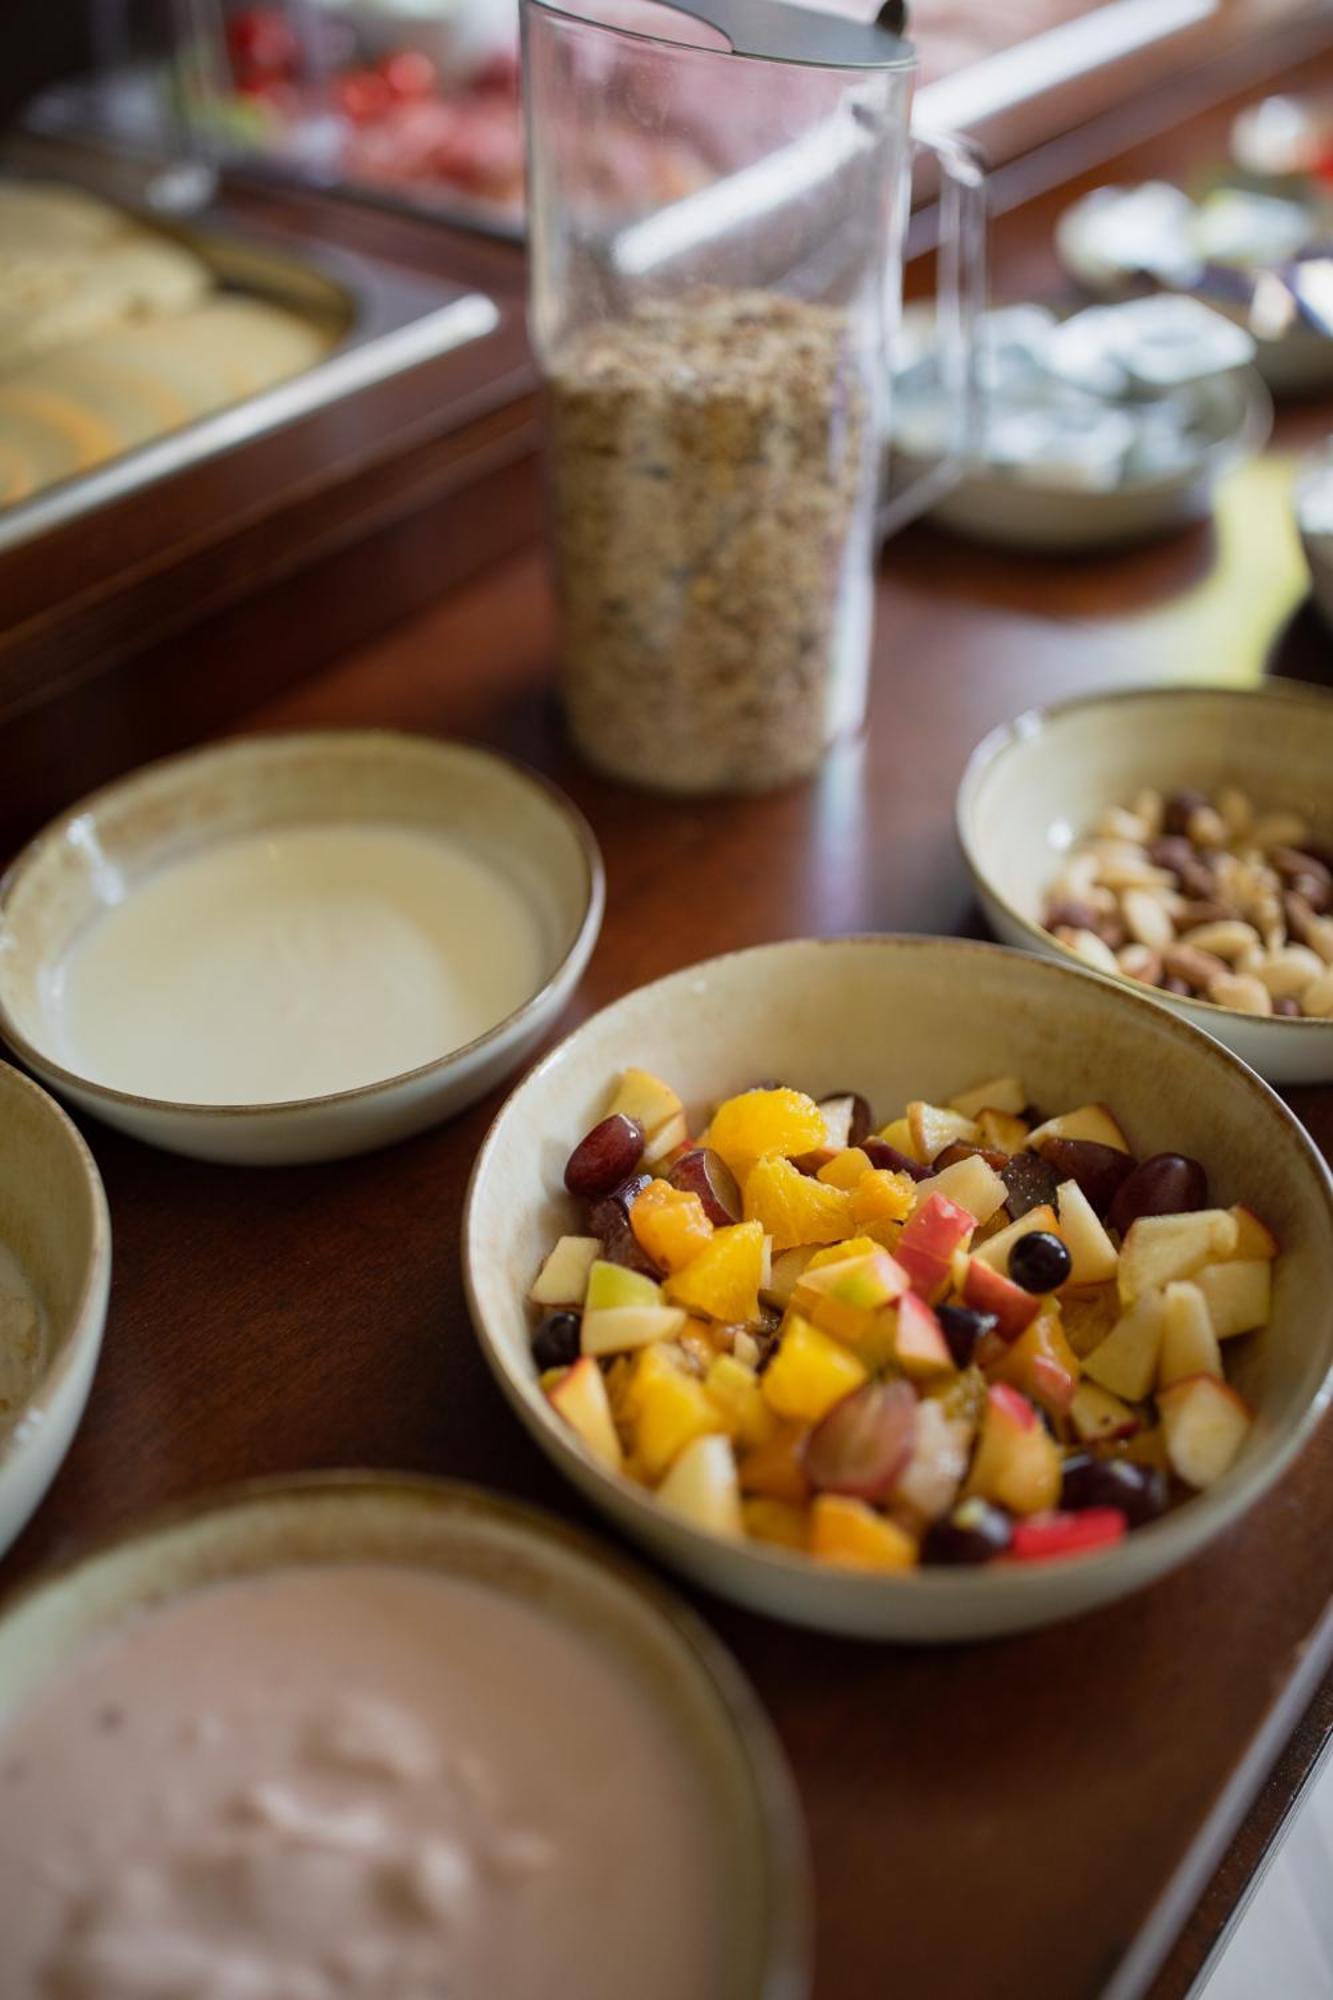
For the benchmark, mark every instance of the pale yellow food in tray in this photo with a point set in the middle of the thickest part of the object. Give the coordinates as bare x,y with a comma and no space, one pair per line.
111,336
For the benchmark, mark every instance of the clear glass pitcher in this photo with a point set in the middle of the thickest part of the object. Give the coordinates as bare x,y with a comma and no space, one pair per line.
716,247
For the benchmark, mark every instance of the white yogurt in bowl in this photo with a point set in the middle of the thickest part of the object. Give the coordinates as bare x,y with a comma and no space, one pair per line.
294,963
357,1739
296,947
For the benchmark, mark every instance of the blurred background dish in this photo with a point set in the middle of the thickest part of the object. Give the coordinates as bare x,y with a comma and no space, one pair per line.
1089,430
1255,240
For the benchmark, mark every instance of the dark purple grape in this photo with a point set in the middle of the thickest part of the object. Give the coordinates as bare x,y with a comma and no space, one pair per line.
557,1340
622,1246
1039,1261
605,1156
611,1211
1165,1184
1029,1180
608,1219
1139,1491
881,1154
963,1327
865,1442
707,1174
1288,1007
973,1533
1173,983
1099,1170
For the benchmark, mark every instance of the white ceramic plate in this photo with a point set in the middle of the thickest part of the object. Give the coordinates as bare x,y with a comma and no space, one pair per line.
1034,785
522,826
459,1531
900,1018
53,1218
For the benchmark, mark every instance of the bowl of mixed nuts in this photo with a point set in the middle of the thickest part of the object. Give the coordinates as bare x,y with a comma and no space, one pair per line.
1179,839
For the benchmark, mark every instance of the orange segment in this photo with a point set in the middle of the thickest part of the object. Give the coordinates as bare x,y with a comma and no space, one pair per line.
722,1281
776,1470
809,1373
759,1122
881,1199
670,1223
792,1208
848,1532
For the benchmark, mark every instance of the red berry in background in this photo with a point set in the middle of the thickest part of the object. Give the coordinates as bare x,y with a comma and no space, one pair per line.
498,75
410,75
262,44
362,95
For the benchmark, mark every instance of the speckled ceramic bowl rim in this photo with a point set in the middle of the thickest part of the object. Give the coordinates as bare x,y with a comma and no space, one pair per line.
1172,1531
255,747
787,1919
86,1318
1033,722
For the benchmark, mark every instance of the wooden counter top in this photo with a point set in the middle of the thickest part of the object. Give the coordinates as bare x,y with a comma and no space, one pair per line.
1031,1818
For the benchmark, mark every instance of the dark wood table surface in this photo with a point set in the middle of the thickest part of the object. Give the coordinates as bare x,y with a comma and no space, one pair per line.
1028,1818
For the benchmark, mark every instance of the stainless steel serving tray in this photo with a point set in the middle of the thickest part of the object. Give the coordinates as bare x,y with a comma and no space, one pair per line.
381,321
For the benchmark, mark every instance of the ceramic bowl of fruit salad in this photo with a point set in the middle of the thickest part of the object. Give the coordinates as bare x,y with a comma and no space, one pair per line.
906,1287
1179,838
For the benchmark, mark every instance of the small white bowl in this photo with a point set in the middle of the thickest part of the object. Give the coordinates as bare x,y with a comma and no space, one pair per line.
53,1218
901,1018
1033,786
1027,513
1317,540
66,877
458,1531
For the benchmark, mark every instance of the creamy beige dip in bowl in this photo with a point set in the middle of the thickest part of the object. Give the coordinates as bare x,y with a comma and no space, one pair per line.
296,947
55,1272
348,1737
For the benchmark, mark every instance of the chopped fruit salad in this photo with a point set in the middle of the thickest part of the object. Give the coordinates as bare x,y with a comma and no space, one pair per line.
975,1334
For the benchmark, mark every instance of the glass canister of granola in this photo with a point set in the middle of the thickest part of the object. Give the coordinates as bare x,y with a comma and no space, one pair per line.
711,311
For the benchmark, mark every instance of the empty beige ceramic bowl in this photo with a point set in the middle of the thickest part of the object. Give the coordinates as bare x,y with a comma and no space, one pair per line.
459,1531
1032,787
86,860
903,1018
53,1220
